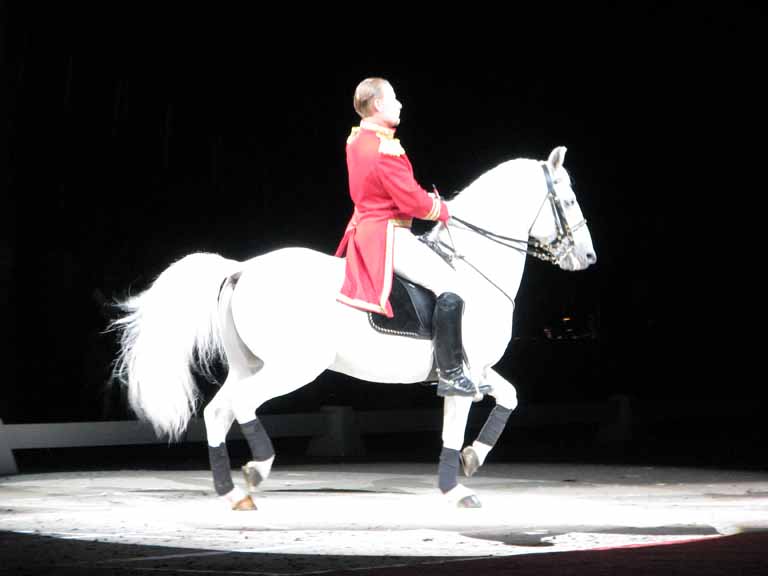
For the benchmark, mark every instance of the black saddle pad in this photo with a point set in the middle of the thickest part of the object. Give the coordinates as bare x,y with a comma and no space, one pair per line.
412,306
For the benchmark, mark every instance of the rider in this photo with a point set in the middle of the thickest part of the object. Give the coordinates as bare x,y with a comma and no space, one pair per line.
378,239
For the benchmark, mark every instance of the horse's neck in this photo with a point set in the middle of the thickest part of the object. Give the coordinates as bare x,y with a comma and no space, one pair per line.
505,201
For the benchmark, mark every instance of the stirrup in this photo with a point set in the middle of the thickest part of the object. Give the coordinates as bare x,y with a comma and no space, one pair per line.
460,385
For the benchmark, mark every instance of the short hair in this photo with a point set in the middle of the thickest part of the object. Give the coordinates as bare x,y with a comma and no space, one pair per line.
365,93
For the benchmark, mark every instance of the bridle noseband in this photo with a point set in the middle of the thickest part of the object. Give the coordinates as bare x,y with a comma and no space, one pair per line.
552,252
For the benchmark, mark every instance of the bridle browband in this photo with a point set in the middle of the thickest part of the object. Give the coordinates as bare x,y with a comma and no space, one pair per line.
551,252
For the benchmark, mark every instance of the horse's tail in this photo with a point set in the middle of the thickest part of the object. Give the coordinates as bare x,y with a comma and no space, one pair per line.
164,331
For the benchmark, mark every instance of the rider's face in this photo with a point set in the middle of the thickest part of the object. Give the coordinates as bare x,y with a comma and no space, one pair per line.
388,107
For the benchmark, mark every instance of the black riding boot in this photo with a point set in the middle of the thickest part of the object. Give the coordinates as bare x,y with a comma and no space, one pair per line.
449,353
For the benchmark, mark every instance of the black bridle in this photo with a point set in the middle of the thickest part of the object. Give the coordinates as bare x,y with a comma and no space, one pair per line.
552,252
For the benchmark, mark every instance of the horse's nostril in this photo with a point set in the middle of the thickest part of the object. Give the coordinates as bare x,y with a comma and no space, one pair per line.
591,258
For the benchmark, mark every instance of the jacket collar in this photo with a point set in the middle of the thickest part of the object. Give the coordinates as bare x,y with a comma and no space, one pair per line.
384,131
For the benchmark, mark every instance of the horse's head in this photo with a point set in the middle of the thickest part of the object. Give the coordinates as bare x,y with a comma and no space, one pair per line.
560,226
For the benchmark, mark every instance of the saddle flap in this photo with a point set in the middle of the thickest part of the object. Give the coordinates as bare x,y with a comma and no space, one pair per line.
412,306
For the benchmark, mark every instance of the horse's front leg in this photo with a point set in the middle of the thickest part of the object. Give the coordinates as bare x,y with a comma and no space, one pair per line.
472,457
455,414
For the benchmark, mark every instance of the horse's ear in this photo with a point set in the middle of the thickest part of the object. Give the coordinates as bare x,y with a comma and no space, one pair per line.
557,157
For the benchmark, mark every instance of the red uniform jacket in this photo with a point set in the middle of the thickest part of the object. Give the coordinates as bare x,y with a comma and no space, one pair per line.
386,195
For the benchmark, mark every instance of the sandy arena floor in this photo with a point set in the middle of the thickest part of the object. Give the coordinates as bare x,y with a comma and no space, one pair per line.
369,515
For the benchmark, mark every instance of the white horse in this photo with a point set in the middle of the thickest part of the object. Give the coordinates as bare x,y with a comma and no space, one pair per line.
275,320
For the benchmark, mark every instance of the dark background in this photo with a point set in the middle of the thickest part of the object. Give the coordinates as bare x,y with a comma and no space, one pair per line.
136,135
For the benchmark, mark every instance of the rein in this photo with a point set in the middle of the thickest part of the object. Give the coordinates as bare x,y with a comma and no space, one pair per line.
551,252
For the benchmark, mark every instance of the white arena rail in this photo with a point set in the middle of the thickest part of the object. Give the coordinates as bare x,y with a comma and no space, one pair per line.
334,431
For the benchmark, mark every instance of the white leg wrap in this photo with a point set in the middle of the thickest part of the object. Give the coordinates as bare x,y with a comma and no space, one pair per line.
457,493
481,450
234,495
263,467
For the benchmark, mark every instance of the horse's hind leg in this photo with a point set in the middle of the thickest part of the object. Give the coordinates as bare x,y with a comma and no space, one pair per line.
472,457
243,361
221,412
252,382
244,397
238,400
218,415
262,453
263,330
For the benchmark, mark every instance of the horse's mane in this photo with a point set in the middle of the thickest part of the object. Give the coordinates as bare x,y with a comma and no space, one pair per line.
518,171
509,176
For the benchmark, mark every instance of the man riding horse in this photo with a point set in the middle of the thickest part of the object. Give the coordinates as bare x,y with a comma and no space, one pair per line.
378,241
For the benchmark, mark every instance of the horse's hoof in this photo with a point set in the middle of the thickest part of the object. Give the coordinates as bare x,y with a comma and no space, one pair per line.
252,477
469,461
244,504
470,501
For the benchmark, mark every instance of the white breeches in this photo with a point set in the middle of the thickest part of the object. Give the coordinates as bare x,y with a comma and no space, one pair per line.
415,261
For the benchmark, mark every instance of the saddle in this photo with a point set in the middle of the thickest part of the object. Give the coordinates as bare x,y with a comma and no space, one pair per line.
412,306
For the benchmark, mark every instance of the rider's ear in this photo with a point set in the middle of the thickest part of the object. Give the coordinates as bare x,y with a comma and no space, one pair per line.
557,157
